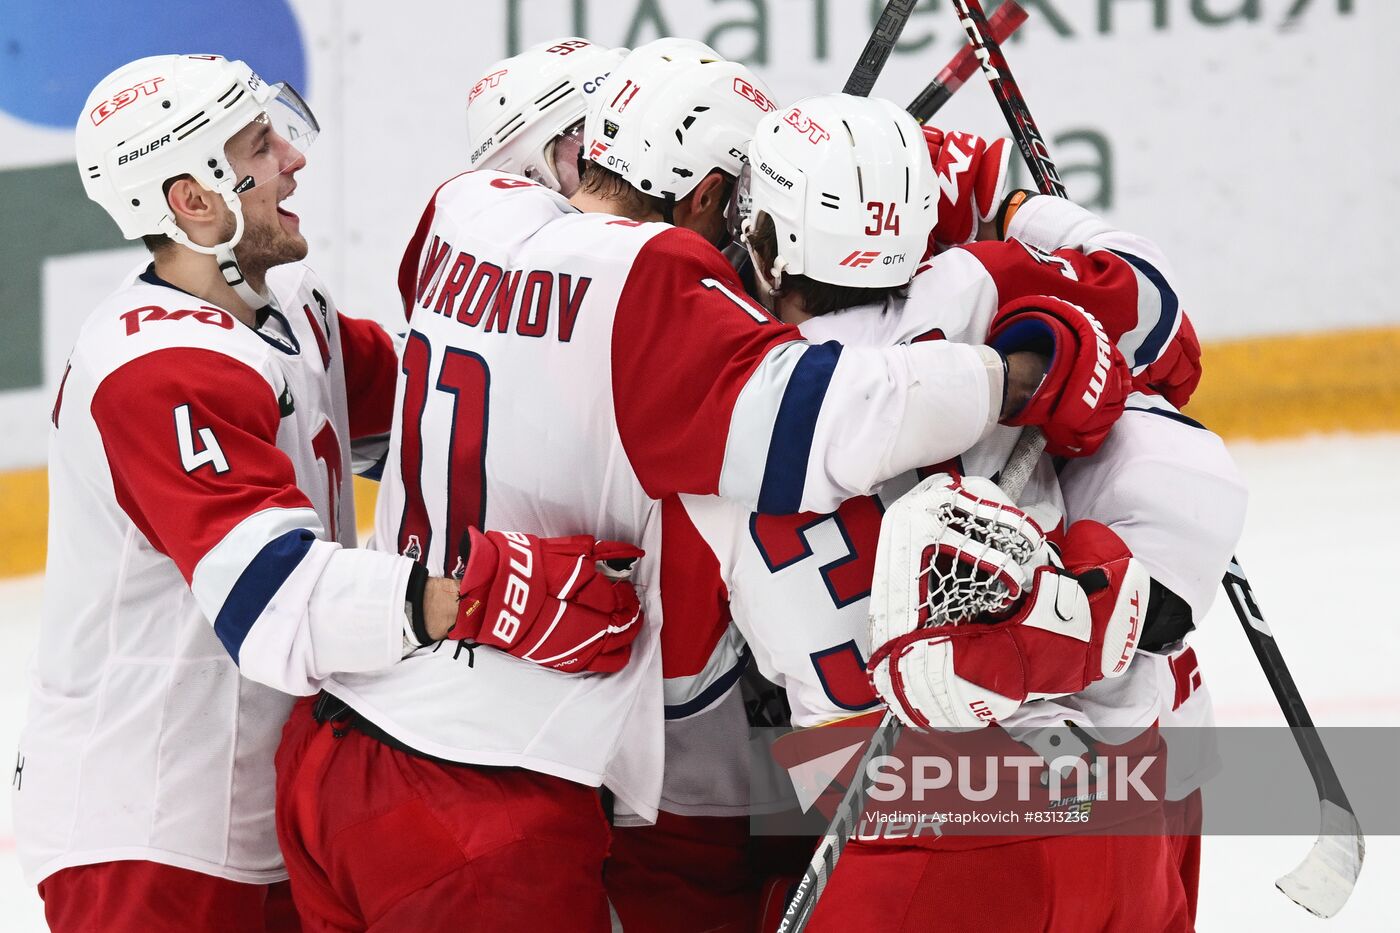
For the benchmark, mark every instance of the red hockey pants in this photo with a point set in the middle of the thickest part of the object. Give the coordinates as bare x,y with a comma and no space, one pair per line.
147,897
380,840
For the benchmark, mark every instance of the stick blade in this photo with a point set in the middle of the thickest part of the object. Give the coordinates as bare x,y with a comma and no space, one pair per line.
1324,880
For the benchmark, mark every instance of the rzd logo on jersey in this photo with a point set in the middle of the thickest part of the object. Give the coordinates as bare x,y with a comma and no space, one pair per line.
124,98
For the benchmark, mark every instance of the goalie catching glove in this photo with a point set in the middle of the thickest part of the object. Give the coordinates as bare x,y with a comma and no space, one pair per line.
562,603
1036,626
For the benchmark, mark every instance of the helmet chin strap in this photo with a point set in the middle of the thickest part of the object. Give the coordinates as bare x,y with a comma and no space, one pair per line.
224,256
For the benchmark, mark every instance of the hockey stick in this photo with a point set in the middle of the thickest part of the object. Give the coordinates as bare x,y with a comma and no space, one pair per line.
1013,105
1005,21
1324,880
878,47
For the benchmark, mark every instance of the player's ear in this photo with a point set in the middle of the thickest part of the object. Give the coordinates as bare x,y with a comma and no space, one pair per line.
711,194
190,201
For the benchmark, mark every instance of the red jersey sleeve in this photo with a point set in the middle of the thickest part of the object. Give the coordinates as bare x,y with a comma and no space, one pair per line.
1131,299
190,438
371,370
686,342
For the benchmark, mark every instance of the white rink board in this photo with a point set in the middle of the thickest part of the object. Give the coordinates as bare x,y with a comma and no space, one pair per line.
1292,555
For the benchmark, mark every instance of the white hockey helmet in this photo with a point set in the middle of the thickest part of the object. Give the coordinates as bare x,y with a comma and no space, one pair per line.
675,110
170,115
848,183
521,106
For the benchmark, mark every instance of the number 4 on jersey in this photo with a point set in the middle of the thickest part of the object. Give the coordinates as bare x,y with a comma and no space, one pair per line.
208,451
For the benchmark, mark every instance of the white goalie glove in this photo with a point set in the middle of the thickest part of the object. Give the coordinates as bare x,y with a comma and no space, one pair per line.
972,612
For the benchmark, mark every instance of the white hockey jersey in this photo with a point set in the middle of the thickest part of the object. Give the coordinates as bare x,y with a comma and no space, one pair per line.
199,500
562,372
797,587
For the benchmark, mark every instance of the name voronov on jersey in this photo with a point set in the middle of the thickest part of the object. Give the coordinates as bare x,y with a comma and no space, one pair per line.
483,294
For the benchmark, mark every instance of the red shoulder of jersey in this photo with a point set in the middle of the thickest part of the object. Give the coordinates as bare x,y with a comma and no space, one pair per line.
694,599
1101,282
371,371
685,340
191,442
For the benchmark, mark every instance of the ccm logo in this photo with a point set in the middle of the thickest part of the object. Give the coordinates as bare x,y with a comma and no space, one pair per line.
750,93
860,259
123,98
490,81
517,591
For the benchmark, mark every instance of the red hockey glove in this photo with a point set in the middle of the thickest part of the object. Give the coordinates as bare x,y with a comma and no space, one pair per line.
1177,372
973,174
1083,391
550,601
1078,624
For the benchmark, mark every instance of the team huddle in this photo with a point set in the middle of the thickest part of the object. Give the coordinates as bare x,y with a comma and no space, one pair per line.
671,354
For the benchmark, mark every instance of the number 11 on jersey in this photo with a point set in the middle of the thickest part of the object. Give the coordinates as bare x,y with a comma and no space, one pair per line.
459,379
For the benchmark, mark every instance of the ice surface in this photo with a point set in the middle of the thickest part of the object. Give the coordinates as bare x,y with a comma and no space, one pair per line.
1339,631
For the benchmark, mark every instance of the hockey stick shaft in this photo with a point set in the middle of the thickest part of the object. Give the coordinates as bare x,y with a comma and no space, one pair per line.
1261,639
878,47
1004,22
1325,878
1008,94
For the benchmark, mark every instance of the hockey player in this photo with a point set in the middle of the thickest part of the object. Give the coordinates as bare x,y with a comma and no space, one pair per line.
568,364
199,567
798,587
525,113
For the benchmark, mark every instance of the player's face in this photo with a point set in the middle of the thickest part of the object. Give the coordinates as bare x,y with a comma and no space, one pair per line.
564,151
267,164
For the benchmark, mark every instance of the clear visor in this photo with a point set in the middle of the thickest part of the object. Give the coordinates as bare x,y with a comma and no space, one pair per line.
274,143
740,204
563,154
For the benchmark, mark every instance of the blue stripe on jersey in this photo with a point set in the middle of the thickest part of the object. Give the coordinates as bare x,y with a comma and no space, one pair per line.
376,471
1156,339
256,586
1173,415
785,472
714,691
